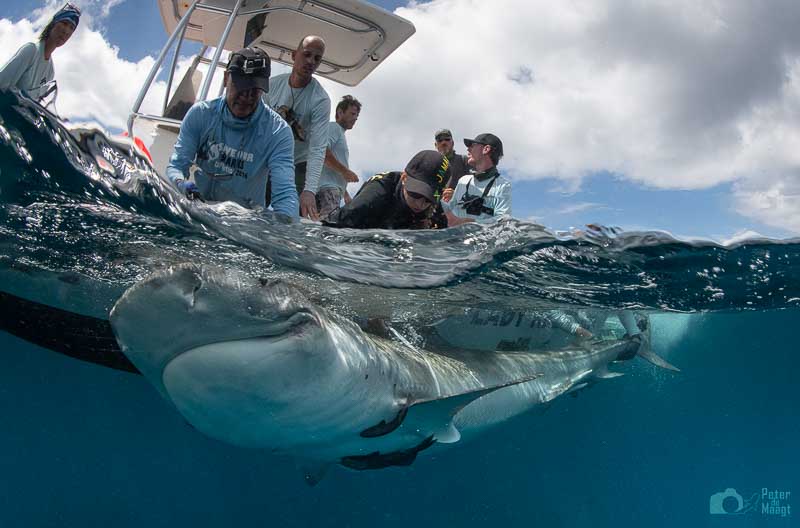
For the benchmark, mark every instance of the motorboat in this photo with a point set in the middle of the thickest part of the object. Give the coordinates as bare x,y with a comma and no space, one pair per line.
359,37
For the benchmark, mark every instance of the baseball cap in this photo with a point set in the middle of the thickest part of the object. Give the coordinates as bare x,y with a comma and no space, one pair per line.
442,134
249,68
486,139
425,170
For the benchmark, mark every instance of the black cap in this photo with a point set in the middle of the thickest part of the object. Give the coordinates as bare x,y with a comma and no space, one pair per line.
486,139
426,171
443,134
249,68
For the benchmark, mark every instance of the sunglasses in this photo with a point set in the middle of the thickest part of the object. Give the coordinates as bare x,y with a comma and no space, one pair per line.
71,7
443,139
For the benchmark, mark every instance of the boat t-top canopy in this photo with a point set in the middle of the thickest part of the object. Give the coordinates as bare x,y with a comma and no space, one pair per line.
358,36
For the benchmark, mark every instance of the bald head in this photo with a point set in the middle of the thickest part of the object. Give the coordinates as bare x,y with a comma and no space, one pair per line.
312,40
306,59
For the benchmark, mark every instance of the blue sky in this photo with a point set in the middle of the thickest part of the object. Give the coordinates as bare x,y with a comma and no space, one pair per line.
575,149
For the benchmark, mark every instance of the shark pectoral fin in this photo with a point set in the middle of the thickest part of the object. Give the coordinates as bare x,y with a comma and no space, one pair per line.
384,427
604,373
573,391
448,435
378,460
435,416
567,386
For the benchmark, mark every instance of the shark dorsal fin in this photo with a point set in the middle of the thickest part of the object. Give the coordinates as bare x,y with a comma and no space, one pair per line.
435,415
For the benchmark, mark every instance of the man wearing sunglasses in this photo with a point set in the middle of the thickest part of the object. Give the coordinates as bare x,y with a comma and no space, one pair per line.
236,141
443,142
483,196
396,200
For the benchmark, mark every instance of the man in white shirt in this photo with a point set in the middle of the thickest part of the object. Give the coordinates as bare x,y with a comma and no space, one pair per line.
306,107
336,173
483,196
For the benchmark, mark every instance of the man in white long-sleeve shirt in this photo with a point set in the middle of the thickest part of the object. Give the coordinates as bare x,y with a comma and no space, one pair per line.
305,105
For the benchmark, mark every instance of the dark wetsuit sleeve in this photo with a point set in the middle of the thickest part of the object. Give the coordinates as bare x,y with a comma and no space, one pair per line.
458,168
366,209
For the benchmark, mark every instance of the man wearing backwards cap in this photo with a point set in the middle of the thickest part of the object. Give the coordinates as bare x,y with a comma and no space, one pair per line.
485,195
395,200
31,69
236,141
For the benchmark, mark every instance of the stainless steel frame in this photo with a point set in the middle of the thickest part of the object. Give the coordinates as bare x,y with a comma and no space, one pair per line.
180,33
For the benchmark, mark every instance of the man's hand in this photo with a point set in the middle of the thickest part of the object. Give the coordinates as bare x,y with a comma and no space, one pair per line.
189,188
308,205
447,194
453,220
350,176
583,333
347,198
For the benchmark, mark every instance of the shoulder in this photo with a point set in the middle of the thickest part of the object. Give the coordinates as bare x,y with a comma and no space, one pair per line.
27,52
278,80
29,49
319,93
201,107
384,179
198,113
503,181
335,131
278,85
465,179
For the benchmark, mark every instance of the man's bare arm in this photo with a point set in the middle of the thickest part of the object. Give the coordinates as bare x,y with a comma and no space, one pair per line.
332,163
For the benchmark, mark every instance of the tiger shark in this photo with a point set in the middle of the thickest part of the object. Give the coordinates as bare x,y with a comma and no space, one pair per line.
255,364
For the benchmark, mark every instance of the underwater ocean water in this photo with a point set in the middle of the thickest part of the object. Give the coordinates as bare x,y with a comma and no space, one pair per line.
715,444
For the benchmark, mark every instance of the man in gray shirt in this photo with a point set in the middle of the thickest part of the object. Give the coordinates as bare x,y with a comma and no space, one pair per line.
336,173
306,107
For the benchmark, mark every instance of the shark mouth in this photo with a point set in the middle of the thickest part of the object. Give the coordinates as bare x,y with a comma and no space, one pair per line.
297,325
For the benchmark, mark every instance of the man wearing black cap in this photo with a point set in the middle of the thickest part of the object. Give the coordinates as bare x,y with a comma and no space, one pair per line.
485,195
236,141
458,162
396,200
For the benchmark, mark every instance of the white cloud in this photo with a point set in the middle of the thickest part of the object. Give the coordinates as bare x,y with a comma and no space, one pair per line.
676,94
581,207
94,83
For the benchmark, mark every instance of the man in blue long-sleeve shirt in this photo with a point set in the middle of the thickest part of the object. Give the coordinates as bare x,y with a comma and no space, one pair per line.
237,142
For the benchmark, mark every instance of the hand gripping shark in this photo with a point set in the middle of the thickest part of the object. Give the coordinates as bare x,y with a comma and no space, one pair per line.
255,364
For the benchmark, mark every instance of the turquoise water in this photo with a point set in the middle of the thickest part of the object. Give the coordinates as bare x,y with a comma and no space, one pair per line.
84,445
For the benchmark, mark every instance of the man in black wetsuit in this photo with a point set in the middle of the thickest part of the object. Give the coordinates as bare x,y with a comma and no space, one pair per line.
396,200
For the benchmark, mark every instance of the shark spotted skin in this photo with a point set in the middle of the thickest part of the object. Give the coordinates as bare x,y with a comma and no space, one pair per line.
255,364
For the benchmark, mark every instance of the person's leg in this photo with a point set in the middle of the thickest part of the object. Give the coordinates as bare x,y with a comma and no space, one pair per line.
328,200
300,176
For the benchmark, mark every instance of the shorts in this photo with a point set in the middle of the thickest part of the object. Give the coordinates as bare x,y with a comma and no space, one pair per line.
328,200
